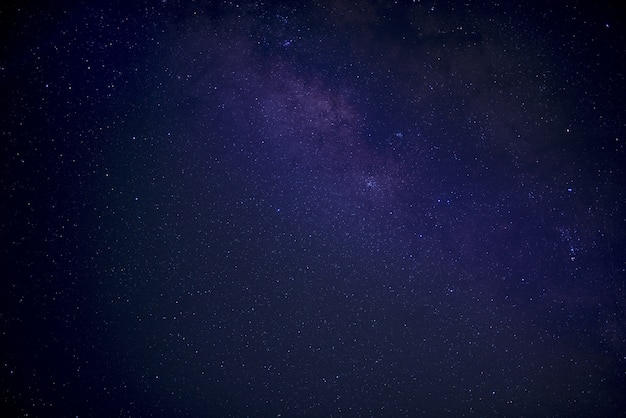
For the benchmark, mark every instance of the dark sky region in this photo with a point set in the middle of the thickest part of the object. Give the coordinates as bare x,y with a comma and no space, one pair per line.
320,208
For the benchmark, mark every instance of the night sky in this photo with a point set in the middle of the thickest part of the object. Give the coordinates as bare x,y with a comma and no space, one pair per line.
324,208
